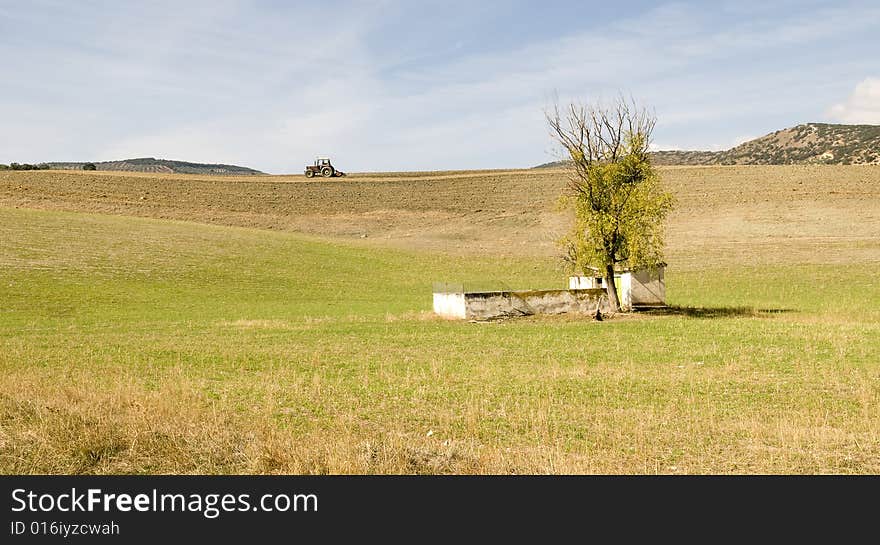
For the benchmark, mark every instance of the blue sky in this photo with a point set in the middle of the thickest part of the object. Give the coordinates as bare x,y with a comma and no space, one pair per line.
391,85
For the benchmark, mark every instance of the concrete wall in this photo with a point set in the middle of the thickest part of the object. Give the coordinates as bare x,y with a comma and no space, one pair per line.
635,289
450,305
648,288
497,304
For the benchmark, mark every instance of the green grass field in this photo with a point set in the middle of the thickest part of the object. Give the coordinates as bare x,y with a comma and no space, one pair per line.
133,345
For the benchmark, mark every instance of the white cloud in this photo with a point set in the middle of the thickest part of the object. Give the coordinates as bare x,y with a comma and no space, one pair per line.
862,106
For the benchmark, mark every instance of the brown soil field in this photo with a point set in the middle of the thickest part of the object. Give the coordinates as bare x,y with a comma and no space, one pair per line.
728,214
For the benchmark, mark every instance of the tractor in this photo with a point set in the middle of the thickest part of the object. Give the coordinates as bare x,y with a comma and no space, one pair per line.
323,167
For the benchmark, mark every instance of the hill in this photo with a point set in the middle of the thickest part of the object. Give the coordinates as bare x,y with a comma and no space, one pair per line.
150,164
810,143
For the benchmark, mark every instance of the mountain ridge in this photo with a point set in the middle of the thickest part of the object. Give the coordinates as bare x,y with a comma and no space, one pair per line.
807,143
151,164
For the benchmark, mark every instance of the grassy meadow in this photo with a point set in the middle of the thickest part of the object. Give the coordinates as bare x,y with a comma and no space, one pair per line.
155,345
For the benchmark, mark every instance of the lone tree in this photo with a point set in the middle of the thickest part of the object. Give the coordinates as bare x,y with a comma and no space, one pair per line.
89,166
620,208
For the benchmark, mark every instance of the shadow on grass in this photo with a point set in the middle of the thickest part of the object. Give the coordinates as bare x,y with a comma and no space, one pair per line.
714,312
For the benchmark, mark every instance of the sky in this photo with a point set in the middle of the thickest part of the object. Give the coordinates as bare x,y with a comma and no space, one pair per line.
409,85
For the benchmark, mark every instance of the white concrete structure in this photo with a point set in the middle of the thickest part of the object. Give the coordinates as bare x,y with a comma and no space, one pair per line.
450,305
635,289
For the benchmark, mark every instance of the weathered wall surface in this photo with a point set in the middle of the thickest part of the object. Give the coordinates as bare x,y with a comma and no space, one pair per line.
648,288
498,304
482,306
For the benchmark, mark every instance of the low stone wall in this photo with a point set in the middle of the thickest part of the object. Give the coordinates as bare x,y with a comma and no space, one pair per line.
498,304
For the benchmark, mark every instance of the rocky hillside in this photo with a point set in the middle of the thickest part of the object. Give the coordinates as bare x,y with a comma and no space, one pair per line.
149,164
811,143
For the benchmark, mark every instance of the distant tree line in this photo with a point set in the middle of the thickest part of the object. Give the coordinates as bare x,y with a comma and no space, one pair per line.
41,166
25,166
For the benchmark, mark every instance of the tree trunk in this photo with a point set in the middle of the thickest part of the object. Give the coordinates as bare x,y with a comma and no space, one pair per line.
611,288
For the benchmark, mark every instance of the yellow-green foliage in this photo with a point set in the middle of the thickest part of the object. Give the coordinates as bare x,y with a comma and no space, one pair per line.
620,209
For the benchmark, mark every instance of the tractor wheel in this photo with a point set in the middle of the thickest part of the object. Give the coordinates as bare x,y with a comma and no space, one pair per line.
310,174
326,172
